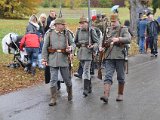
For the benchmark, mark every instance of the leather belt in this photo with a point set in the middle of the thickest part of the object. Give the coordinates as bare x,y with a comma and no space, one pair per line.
56,50
84,45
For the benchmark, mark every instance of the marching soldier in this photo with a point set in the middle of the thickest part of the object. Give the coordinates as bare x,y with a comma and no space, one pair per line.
86,48
113,48
99,23
56,53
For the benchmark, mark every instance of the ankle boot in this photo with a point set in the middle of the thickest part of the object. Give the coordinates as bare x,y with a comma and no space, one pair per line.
86,87
120,92
28,66
33,71
58,85
53,96
90,87
104,98
69,90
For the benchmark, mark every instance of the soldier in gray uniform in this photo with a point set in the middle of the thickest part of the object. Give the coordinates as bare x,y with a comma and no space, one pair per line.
57,50
86,48
113,48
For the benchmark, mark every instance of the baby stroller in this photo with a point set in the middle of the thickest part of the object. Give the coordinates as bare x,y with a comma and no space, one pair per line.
10,45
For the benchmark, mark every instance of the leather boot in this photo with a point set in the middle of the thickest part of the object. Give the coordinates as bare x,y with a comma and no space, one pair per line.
28,66
53,96
120,92
69,90
33,71
58,85
86,87
90,87
104,98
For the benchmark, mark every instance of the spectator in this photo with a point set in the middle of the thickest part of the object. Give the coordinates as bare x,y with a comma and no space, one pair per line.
33,26
51,17
31,43
152,33
42,22
142,33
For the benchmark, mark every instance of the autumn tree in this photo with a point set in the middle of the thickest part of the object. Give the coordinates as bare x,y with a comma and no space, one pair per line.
73,3
18,8
135,7
155,5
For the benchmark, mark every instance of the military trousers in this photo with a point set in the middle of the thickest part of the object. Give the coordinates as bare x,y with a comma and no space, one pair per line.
65,73
86,65
112,65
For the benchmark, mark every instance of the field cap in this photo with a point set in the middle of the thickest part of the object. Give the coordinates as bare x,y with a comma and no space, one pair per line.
114,17
83,19
60,21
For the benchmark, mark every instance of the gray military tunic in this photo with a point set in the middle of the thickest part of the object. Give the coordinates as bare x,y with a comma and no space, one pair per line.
114,55
116,51
58,60
85,54
58,41
82,38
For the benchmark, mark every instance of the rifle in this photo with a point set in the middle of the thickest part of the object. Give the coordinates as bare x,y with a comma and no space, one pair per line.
67,47
101,54
106,44
89,23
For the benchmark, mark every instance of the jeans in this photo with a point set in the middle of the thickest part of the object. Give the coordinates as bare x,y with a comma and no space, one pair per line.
40,61
32,56
141,44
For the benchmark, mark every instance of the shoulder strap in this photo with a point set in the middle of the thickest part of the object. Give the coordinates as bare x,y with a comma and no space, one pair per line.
119,32
76,39
50,30
66,34
91,33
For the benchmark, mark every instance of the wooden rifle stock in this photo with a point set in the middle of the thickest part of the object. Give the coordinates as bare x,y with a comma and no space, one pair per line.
101,55
100,65
67,46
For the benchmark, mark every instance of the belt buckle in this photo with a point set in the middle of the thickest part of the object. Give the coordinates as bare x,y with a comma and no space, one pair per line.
59,50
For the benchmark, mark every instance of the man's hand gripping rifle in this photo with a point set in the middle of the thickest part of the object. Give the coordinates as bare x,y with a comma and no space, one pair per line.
105,44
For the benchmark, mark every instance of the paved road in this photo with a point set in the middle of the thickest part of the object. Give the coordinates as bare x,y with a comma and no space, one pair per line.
141,98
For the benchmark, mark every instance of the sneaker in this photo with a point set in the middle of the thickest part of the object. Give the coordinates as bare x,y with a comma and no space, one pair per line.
156,55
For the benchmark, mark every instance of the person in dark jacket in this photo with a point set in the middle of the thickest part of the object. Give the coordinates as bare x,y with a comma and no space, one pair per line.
152,33
51,17
31,43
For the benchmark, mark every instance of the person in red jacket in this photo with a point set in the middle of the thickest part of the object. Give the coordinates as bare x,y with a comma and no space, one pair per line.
31,42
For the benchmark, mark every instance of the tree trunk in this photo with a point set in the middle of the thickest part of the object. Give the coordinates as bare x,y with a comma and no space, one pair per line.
135,8
71,4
